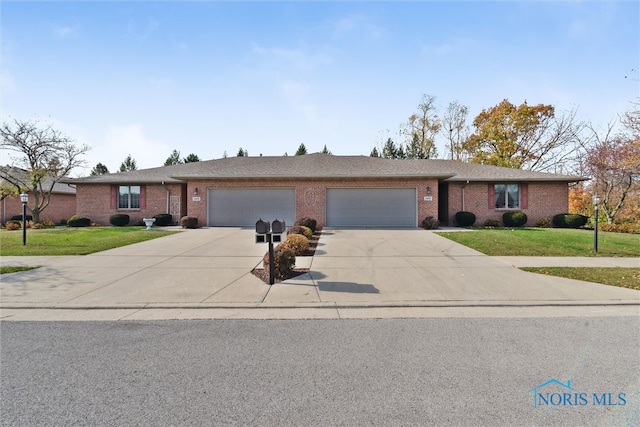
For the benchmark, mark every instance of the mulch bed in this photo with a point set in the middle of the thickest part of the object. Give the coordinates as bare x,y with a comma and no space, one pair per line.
263,274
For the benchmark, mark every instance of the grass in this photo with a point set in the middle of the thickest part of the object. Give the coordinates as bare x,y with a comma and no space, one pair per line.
73,241
622,277
547,242
14,269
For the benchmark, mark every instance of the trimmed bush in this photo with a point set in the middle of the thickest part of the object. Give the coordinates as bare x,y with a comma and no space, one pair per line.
301,229
465,219
430,223
307,222
544,223
514,219
119,220
189,222
285,260
13,225
163,219
569,220
297,242
493,223
626,227
19,218
78,221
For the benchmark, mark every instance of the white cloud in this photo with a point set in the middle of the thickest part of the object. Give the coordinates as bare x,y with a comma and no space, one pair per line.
63,32
9,84
120,141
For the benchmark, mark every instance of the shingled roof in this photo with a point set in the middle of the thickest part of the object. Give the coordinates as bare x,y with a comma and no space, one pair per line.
58,187
322,166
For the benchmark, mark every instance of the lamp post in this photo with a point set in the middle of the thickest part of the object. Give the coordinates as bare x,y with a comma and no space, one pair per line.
24,198
596,202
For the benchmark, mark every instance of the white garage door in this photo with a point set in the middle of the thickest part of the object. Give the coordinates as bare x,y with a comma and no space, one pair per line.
242,207
371,207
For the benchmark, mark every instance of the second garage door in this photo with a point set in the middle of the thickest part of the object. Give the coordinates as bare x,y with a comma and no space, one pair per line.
242,207
371,207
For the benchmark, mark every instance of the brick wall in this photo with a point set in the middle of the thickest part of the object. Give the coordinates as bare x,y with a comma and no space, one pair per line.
94,202
61,206
311,194
545,199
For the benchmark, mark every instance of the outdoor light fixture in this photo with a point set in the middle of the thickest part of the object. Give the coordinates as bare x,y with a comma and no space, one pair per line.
24,198
195,191
596,202
429,191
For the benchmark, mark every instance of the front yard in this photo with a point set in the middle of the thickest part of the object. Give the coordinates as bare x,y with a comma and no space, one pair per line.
74,241
559,243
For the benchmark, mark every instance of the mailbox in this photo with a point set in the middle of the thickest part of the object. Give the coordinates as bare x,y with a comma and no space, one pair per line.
278,227
262,227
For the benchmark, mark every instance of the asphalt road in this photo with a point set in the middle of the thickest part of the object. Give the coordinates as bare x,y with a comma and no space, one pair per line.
457,371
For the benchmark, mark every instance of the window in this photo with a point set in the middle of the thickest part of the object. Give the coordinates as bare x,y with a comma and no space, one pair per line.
507,196
129,197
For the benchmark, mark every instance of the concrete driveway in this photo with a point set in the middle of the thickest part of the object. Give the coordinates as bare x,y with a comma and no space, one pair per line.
210,269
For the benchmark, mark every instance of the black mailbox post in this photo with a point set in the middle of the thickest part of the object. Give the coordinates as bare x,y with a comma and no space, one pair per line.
270,233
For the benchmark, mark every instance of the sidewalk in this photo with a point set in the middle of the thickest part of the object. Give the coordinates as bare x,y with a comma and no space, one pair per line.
206,273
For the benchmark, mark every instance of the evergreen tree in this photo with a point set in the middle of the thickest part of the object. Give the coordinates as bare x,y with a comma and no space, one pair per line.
129,164
302,150
325,150
191,158
374,153
173,159
99,169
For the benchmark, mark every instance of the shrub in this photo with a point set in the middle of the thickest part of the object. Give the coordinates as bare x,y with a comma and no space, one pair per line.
620,228
47,223
297,242
119,220
38,226
189,222
514,219
569,220
307,222
77,221
430,223
163,219
19,218
13,225
301,229
493,223
284,258
544,223
465,219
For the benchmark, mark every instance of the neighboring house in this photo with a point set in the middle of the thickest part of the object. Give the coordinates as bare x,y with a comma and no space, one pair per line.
338,191
62,204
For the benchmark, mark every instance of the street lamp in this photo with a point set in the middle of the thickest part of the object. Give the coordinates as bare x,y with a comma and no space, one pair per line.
24,198
596,202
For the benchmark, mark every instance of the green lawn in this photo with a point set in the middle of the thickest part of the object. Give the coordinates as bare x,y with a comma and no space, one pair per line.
12,269
546,242
73,241
622,277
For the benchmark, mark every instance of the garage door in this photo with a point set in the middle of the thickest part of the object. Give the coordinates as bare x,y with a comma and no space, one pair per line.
371,207
242,207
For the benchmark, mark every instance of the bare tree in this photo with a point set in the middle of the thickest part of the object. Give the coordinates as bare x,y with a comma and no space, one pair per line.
45,156
454,124
422,128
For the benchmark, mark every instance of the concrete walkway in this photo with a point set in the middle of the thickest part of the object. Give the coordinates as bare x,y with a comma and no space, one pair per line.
206,273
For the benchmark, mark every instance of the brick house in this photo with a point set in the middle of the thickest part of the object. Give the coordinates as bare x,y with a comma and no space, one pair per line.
62,204
338,191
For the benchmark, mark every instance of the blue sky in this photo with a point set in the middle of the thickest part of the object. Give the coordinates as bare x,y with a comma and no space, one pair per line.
144,78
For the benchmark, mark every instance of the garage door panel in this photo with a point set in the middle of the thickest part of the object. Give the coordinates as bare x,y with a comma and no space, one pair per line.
371,207
242,207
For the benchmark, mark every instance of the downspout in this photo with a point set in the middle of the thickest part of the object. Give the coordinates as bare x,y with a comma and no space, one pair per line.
464,185
168,197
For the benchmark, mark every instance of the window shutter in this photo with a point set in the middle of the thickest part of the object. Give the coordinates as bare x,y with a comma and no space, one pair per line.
524,196
143,197
492,196
114,196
